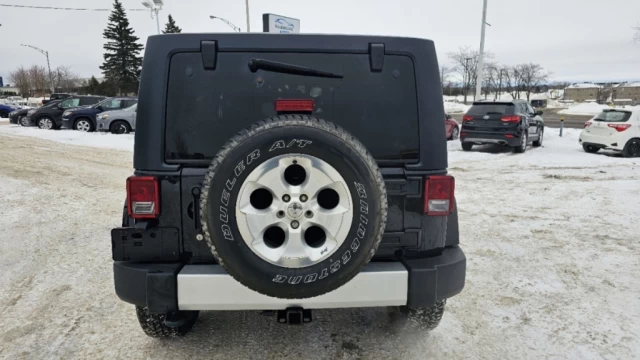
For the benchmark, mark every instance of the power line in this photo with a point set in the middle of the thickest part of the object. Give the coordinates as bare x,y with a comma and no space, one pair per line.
61,8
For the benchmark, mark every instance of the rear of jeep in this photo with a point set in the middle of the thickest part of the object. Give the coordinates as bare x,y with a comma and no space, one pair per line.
286,173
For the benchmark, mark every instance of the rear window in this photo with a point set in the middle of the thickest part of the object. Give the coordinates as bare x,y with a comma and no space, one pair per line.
207,107
491,108
613,116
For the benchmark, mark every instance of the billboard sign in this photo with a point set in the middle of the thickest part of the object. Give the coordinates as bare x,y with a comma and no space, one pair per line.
279,24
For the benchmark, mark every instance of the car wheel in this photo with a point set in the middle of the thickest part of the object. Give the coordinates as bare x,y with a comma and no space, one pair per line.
23,121
45,123
120,127
293,207
466,146
524,141
539,141
590,149
424,318
455,133
632,148
166,325
83,125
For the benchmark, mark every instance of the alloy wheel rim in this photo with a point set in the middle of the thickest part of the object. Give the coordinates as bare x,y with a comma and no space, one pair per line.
294,210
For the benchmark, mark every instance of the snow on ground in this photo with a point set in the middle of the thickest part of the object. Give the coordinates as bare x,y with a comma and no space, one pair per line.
584,109
451,107
95,139
550,238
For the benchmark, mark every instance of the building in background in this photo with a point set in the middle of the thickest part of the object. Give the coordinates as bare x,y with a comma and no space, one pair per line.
584,92
1,82
627,93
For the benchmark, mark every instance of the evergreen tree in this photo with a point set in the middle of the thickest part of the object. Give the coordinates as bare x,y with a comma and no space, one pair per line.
122,62
171,27
92,86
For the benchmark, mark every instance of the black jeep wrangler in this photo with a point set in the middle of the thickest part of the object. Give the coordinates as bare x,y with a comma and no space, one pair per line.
285,173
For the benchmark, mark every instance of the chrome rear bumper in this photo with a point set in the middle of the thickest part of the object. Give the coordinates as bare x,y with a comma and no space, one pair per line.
209,287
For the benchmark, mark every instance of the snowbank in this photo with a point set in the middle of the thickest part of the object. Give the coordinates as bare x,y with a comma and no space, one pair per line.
451,107
584,109
72,137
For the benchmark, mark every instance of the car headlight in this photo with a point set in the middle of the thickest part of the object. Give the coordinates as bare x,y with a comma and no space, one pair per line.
66,113
11,113
30,112
104,116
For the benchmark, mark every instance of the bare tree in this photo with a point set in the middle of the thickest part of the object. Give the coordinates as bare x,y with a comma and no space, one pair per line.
636,37
532,75
66,79
20,78
465,64
445,71
491,74
512,81
39,80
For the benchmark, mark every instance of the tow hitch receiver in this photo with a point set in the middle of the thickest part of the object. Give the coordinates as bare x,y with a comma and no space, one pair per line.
294,316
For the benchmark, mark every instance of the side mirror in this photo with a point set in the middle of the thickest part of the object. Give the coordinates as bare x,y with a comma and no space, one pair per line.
539,112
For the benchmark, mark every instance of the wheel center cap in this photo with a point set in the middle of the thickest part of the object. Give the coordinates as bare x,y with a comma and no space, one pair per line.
294,210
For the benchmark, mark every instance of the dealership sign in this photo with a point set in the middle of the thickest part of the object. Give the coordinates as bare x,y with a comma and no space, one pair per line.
278,24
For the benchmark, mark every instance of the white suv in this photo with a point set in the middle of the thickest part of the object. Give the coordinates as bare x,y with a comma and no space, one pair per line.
613,129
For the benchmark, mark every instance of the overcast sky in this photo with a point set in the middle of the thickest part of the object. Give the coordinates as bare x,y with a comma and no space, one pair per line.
577,40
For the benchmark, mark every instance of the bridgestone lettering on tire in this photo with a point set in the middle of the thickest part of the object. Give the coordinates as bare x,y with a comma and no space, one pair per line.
297,151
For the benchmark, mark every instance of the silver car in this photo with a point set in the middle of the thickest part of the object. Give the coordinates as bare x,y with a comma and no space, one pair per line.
118,121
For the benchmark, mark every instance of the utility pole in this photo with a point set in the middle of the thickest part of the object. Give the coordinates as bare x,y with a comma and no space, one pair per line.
246,2
45,53
481,55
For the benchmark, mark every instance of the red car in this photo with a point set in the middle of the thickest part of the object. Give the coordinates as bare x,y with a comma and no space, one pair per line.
452,128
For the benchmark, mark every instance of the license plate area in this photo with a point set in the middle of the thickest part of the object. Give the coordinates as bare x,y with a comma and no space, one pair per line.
156,244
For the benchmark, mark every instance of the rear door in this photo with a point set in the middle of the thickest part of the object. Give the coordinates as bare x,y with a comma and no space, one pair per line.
534,128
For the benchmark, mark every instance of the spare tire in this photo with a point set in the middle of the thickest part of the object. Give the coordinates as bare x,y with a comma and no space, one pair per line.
293,207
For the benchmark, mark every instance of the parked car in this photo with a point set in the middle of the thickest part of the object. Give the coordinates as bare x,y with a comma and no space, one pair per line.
539,103
50,117
84,119
118,121
247,204
20,116
6,109
613,129
56,96
451,127
512,123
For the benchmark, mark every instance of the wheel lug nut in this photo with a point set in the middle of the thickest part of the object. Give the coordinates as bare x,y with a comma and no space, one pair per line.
303,198
280,214
309,214
295,224
286,198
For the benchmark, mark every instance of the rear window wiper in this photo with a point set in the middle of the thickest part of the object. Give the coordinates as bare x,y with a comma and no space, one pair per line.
266,65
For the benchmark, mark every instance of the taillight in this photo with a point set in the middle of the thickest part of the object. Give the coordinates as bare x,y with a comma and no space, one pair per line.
467,118
587,124
294,105
439,195
511,119
508,136
143,197
619,127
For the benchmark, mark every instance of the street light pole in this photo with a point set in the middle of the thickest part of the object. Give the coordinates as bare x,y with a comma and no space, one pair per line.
45,53
481,55
154,7
231,25
246,3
